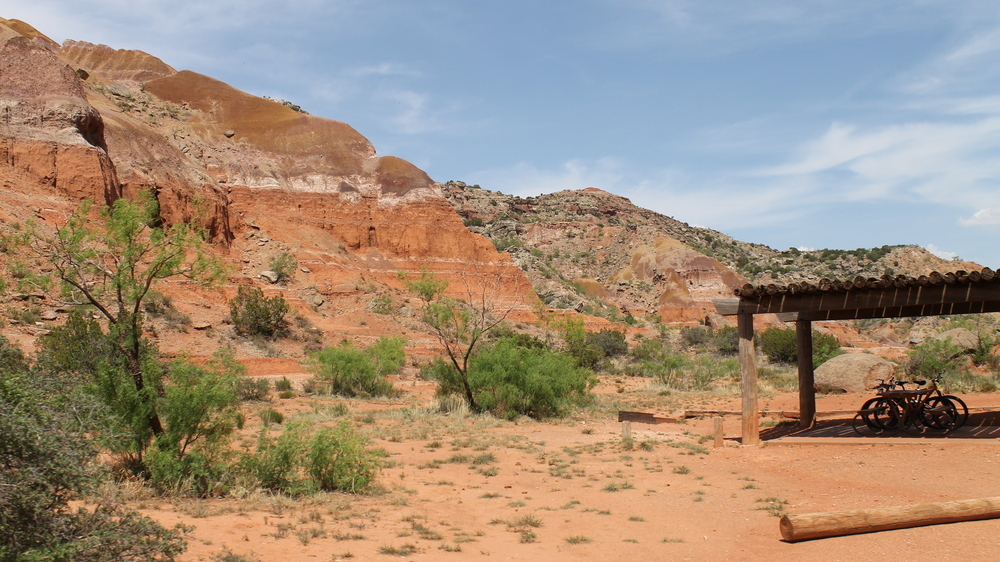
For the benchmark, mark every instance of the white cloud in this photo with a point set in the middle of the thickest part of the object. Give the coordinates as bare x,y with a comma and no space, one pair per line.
384,69
527,180
412,113
989,216
945,255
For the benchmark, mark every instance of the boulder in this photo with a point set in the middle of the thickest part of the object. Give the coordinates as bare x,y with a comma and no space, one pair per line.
201,325
962,337
269,276
48,315
853,372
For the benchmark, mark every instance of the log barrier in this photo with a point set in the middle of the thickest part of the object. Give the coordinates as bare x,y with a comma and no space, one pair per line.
838,523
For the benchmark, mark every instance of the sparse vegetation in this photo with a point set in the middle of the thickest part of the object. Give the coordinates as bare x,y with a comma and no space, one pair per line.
253,314
779,344
348,371
284,266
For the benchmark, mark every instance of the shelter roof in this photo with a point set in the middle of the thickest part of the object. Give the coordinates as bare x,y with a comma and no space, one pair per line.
959,292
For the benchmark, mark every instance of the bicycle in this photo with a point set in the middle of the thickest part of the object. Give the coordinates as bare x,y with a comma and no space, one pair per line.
897,408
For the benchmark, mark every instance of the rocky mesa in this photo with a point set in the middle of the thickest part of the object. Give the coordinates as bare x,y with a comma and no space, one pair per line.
83,121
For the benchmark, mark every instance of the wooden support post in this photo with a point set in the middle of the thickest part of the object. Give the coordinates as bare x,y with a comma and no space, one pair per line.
717,431
807,383
838,523
626,431
748,380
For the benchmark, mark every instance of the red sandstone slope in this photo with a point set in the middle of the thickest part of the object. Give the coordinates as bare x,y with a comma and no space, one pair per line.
88,121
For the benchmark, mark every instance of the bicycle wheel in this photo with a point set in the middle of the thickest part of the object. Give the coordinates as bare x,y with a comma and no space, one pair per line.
939,413
880,415
963,410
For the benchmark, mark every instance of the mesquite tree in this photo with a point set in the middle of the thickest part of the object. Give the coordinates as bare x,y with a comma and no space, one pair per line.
113,265
461,324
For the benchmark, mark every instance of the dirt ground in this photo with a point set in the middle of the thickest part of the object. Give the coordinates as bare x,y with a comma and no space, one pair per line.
460,487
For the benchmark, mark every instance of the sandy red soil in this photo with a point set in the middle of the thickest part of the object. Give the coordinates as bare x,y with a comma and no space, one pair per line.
671,496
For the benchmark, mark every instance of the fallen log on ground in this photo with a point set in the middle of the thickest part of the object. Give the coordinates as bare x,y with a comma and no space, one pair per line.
838,523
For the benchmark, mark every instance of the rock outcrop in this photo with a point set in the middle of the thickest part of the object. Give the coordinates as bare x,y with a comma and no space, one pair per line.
86,121
853,372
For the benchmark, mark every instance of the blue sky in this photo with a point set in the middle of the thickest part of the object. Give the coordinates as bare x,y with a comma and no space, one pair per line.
806,123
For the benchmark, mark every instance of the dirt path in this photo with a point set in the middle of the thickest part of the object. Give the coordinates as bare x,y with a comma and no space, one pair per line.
465,487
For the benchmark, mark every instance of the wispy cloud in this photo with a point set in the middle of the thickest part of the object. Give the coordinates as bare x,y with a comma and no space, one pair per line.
943,254
526,179
384,69
989,216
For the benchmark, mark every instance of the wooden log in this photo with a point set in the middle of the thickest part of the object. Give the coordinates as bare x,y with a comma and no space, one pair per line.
717,432
838,523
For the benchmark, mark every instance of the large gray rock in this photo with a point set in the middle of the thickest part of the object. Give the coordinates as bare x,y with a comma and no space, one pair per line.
853,372
962,337
269,276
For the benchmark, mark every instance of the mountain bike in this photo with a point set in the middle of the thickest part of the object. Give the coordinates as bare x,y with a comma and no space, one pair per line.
897,408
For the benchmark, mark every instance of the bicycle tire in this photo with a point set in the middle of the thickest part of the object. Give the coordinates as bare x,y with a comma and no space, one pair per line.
939,413
880,415
963,410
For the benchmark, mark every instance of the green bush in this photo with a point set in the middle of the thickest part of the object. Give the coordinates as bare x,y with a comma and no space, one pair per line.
696,335
349,371
270,416
254,390
297,462
577,344
611,343
200,413
47,459
779,344
284,265
727,340
508,380
253,314
283,384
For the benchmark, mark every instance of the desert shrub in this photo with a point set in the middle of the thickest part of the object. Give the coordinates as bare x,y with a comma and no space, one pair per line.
611,343
508,380
199,409
779,344
727,340
159,305
297,462
505,243
76,347
254,390
382,304
284,265
932,358
253,314
47,460
576,342
942,357
350,371
283,384
388,354
655,358
337,460
696,335
707,371
825,347
474,221
780,379
270,416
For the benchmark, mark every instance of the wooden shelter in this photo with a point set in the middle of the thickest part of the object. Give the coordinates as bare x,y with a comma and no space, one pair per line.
884,297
